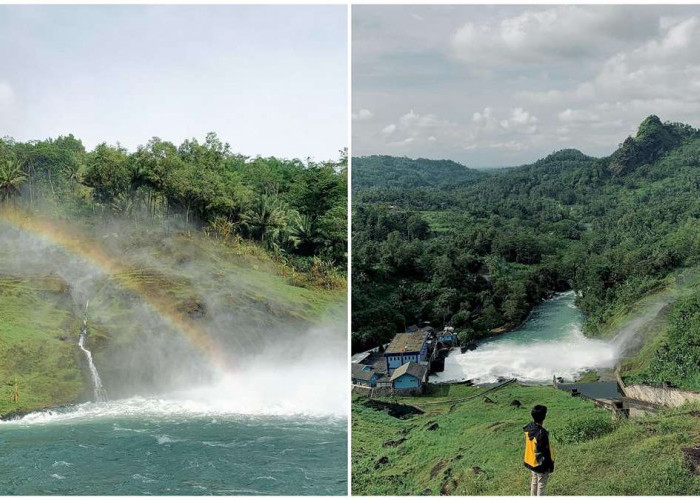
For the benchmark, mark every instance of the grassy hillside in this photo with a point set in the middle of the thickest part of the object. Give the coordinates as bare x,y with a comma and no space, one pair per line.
230,290
38,334
477,447
647,321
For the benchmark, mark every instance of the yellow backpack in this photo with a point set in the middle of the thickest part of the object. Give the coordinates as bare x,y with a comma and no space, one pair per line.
530,455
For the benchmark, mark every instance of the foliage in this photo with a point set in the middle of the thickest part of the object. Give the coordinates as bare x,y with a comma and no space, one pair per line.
292,208
678,357
388,172
11,178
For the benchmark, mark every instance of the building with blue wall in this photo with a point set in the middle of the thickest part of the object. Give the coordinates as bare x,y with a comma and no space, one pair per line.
409,376
364,375
405,348
447,336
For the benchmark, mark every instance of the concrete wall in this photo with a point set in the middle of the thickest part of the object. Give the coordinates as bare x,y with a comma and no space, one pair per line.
666,396
362,391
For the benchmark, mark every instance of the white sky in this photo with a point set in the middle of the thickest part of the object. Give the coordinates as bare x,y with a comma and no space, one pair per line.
506,85
270,80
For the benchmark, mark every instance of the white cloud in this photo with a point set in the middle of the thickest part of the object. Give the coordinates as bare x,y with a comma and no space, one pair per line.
389,129
517,120
661,76
409,118
553,34
521,120
363,115
578,115
517,82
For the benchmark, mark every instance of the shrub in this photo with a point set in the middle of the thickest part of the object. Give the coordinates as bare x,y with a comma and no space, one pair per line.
584,429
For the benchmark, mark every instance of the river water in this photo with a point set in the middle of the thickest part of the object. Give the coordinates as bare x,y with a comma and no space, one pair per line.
162,447
550,343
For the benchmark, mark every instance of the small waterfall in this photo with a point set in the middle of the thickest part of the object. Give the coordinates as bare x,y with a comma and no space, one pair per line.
100,394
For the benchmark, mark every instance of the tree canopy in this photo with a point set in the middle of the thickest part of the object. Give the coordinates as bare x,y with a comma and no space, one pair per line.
295,209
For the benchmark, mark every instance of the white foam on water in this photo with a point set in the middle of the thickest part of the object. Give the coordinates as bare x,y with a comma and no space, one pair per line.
295,391
286,390
537,362
165,439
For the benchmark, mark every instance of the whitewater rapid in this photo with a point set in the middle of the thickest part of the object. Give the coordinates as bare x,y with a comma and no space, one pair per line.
288,391
550,343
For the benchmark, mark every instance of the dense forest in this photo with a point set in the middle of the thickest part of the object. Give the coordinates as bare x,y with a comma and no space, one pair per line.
478,249
296,211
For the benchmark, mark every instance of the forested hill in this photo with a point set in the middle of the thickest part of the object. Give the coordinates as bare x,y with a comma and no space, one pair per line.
381,172
296,211
480,254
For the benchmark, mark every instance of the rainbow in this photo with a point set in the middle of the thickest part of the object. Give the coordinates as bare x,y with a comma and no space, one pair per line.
76,243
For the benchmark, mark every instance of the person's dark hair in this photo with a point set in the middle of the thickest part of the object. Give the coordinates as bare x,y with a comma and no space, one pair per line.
538,413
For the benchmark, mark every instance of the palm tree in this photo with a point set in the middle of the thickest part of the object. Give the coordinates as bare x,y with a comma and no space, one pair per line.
11,178
305,234
73,169
266,220
122,204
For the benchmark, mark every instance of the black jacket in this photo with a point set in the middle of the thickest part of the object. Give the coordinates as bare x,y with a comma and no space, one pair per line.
538,453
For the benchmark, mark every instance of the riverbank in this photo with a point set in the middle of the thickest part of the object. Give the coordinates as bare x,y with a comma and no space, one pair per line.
38,348
474,447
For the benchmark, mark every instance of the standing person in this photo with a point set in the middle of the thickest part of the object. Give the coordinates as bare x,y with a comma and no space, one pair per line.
538,454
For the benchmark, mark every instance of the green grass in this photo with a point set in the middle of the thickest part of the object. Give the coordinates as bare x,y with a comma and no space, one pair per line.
38,335
641,456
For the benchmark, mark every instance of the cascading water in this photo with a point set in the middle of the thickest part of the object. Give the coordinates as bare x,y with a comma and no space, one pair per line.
99,392
550,343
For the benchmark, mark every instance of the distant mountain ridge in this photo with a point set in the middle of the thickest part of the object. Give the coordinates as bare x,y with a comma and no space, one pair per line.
654,140
383,171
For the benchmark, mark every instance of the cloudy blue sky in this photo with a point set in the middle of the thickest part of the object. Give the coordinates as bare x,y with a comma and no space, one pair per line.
270,80
506,85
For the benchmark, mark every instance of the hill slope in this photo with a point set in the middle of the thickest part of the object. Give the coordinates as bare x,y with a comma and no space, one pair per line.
476,447
161,284
386,172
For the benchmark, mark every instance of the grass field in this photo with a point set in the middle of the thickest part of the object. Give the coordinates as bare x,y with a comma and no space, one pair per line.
38,335
477,447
